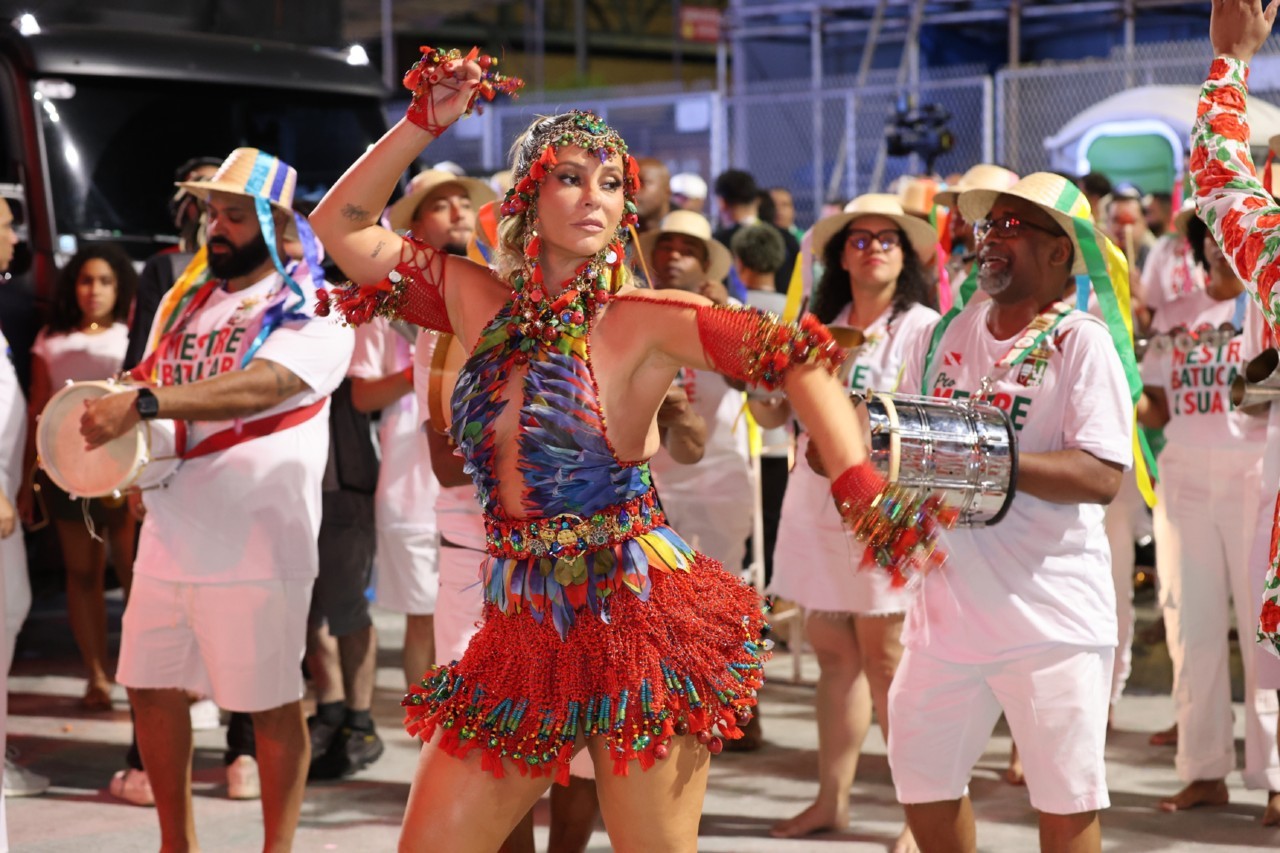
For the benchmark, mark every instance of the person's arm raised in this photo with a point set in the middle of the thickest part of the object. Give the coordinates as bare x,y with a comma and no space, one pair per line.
346,219
1242,215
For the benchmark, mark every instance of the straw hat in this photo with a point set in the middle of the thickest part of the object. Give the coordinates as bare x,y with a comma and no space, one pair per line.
249,172
400,216
1042,189
695,225
920,233
917,195
983,176
1184,215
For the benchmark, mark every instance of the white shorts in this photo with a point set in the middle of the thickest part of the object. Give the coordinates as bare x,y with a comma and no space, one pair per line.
941,715
240,644
406,576
461,603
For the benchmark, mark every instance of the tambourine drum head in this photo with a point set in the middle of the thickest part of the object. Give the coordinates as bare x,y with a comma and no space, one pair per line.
75,469
446,362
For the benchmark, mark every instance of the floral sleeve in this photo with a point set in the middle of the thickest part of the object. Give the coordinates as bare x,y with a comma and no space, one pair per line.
1245,220
1243,217
413,291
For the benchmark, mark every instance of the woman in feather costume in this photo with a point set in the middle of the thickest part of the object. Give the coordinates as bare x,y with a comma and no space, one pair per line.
603,629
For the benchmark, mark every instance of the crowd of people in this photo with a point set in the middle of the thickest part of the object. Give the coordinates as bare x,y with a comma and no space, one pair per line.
573,530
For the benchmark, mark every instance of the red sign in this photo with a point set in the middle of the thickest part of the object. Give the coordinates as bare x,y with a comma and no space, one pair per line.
700,23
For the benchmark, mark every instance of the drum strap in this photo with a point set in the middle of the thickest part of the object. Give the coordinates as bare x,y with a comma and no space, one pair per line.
1023,345
231,436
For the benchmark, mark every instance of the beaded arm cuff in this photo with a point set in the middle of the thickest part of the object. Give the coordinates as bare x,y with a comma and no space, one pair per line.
413,291
897,526
755,346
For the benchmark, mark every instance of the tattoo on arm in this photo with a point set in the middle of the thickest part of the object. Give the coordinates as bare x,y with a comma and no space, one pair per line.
377,250
286,383
355,213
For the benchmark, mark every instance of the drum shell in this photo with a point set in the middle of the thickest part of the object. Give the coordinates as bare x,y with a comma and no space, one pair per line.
142,458
963,451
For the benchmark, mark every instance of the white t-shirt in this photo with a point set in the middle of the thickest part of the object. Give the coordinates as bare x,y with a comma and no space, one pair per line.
459,517
815,563
1043,574
1197,385
407,488
77,356
13,425
710,503
1173,284
250,512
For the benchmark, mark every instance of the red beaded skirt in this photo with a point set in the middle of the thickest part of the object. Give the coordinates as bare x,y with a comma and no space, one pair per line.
686,661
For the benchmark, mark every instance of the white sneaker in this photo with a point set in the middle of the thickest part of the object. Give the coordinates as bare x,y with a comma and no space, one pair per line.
132,786
204,716
242,779
21,782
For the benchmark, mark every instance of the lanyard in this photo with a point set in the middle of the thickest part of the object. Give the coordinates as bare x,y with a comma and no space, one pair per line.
1023,345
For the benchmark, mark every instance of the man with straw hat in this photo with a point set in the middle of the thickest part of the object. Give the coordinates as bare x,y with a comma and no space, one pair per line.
1244,217
440,207
227,555
1022,620
962,272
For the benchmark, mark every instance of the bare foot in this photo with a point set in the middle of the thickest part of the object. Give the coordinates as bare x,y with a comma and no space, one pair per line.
906,842
97,697
1202,792
1271,817
1014,774
1168,737
813,819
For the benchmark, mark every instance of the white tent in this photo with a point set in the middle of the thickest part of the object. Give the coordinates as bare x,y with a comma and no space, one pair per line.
1167,111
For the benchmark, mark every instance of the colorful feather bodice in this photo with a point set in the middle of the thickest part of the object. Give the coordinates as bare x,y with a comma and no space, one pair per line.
574,546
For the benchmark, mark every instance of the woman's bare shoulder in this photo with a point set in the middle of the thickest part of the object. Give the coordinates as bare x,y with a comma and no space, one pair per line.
644,296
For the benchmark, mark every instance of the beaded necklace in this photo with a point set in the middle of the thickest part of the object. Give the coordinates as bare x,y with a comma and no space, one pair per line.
536,316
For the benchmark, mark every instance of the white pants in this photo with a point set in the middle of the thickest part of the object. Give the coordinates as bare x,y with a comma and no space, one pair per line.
1266,663
1203,540
15,601
1125,521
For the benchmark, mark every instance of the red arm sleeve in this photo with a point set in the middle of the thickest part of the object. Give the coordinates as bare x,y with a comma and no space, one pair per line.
413,291
758,348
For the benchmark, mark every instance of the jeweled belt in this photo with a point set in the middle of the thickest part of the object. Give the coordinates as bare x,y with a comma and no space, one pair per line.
568,535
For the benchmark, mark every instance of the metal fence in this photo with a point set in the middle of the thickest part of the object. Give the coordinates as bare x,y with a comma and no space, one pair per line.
683,129
1034,103
823,144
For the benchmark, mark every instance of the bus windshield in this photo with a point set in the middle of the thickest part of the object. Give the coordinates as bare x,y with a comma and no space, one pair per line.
114,142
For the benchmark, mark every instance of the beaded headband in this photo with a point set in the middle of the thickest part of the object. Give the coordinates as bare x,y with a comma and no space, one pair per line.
580,128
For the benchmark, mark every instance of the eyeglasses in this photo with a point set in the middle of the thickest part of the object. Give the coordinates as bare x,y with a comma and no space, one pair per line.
1007,226
863,240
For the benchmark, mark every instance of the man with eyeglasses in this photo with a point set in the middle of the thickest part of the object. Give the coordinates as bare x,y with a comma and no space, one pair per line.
1021,618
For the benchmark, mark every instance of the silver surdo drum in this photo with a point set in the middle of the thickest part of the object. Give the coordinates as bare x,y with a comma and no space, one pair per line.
963,451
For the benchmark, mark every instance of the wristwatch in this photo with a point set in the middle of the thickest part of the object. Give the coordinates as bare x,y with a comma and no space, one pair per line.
146,404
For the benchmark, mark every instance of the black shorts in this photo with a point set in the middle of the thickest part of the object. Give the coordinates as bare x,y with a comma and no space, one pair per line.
347,543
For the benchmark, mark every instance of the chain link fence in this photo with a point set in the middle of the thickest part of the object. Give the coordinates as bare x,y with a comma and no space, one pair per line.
683,129
825,145
1033,104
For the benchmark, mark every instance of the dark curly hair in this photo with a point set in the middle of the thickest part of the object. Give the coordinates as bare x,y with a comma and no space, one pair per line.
833,292
66,311
1196,232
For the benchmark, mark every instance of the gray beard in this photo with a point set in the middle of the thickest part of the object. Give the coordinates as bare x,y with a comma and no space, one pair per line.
993,284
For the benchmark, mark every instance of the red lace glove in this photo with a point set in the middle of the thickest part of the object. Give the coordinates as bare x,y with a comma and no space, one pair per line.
435,68
897,526
413,291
